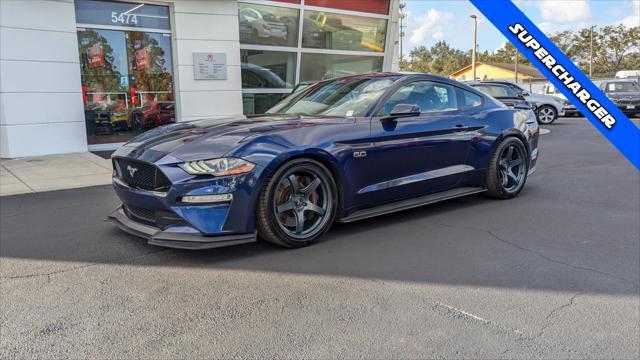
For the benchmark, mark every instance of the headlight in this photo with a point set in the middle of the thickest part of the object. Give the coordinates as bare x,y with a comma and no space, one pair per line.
217,167
615,101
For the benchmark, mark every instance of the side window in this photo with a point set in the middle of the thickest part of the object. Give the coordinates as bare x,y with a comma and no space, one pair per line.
469,99
429,96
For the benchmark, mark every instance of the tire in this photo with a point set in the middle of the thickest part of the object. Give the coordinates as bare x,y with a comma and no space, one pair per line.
500,168
546,115
298,204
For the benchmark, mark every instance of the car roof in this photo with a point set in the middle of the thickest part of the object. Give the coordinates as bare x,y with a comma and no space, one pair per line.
619,81
482,83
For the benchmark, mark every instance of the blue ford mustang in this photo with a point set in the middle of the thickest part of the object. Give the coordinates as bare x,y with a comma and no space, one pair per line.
341,150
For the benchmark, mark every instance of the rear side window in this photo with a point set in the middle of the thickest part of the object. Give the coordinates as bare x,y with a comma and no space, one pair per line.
428,95
469,99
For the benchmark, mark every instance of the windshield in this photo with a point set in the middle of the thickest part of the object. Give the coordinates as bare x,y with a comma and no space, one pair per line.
339,97
622,87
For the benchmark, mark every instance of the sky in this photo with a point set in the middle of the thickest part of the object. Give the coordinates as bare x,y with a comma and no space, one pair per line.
429,21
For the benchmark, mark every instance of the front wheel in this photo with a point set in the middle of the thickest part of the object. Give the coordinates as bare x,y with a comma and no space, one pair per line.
298,204
507,172
546,115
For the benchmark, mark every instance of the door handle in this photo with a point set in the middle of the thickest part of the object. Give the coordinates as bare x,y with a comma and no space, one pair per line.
461,126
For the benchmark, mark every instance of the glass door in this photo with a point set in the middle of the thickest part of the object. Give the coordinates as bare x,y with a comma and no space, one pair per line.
126,72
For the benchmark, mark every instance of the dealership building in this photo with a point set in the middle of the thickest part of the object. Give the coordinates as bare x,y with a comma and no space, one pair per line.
87,75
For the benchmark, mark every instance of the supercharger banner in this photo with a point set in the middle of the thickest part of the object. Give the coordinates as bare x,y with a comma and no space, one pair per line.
565,75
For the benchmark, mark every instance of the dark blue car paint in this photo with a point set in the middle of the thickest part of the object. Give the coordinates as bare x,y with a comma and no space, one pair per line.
404,158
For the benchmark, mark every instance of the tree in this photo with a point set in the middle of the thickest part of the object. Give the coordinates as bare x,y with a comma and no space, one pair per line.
615,48
440,59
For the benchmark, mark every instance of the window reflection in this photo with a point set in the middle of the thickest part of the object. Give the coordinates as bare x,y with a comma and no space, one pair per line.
267,69
326,66
260,103
343,32
127,83
268,25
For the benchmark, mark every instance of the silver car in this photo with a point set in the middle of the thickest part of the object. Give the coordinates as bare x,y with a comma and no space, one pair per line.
548,108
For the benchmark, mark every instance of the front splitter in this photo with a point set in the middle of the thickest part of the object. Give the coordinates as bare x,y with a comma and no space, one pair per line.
158,237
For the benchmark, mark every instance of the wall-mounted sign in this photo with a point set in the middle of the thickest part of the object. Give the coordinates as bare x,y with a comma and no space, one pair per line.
210,66
116,13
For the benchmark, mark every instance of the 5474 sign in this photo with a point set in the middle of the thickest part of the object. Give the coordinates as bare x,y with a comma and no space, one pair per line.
124,18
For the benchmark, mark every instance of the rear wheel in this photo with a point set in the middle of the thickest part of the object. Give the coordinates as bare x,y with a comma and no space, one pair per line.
508,169
546,115
298,204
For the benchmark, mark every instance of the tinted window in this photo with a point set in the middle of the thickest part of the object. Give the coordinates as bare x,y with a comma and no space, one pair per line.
267,69
343,32
622,86
469,99
326,66
268,25
429,96
496,90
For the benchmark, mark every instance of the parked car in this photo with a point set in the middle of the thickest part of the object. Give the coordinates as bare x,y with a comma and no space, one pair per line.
255,76
624,93
548,108
166,113
263,24
146,116
628,75
569,108
343,150
504,94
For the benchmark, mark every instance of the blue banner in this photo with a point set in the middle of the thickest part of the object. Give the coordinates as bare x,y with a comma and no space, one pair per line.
565,75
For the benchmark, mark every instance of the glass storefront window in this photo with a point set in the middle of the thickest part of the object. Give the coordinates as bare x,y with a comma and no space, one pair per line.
268,25
260,103
326,66
343,32
127,76
267,69
127,83
122,14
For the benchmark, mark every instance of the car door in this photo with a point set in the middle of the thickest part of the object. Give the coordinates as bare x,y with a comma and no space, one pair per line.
421,154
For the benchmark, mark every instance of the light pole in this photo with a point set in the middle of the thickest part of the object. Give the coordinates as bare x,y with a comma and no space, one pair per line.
475,42
591,51
516,65
403,15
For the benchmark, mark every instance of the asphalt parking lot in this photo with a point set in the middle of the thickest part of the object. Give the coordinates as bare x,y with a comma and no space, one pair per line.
552,273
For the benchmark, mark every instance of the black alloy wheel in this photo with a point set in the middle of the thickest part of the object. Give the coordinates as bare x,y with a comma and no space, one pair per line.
298,205
508,169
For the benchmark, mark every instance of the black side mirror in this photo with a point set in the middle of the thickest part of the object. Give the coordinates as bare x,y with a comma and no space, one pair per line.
403,110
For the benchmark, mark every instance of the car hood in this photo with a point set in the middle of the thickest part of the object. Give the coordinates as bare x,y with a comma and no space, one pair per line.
626,95
212,138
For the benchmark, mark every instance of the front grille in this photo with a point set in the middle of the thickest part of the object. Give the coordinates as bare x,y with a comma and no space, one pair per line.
626,102
140,213
141,175
159,218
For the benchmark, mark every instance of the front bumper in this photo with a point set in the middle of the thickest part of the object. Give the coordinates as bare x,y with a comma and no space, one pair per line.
164,219
178,240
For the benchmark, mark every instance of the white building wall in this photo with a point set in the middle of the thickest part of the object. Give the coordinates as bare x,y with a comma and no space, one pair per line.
41,109
206,26
392,54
